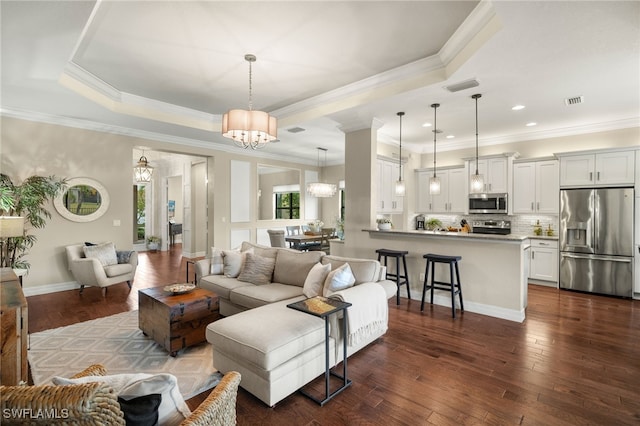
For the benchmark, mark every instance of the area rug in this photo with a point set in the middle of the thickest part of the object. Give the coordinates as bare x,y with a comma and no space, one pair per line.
117,343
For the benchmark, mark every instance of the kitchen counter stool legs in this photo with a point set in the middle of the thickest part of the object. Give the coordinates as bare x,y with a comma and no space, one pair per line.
452,286
398,255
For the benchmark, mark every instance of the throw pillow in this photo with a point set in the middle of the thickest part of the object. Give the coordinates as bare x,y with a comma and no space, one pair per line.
338,279
172,409
142,410
217,264
233,261
315,280
105,253
257,269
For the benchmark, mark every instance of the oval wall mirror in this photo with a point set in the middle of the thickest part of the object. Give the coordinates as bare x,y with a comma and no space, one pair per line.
84,200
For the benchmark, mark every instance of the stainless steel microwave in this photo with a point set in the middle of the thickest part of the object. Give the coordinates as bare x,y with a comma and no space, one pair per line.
488,203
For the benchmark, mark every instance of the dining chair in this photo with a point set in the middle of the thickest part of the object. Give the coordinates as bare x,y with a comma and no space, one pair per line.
294,230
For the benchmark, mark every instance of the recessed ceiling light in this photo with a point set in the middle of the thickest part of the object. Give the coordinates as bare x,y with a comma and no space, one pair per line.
426,124
531,124
517,107
450,136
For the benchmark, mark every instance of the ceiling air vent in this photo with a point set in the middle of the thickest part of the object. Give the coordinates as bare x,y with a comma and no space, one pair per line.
296,130
574,101
468,84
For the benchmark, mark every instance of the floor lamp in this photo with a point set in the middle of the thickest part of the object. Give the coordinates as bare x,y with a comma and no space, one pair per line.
10,227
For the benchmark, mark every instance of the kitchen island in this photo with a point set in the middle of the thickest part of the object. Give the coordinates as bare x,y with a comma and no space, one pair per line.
492,270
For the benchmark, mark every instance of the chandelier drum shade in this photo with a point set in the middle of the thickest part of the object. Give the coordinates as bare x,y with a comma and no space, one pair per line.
321,189
434,182
249,128
477,180
400,187
143,171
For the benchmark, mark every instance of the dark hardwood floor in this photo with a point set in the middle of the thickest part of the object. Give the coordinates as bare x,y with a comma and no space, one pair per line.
575,360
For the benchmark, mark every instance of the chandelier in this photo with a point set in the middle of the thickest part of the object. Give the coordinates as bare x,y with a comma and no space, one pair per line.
321,189
143,171
400,188
434,182
477,180
250,128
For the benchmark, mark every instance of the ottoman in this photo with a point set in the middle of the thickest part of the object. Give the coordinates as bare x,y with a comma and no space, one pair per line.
277,350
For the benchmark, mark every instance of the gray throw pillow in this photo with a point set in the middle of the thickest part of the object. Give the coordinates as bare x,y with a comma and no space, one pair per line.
257,269
105,253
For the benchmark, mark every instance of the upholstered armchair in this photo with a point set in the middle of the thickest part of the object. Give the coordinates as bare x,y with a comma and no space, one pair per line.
101,265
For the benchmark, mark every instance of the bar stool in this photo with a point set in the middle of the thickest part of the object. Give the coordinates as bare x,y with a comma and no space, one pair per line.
432,259
399,279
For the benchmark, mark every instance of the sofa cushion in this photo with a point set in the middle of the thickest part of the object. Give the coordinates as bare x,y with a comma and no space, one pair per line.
119,269
222,285
364,270
340,278
233,261
253,296
259,249
257,269
105,253
292,267
314,282
216,262
267,336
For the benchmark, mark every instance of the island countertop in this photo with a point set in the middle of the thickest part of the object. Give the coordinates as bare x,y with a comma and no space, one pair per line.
447,234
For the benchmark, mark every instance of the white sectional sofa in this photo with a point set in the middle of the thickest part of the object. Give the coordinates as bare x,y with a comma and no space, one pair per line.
277,350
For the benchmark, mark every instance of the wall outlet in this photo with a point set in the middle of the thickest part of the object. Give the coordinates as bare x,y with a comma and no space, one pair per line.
422,277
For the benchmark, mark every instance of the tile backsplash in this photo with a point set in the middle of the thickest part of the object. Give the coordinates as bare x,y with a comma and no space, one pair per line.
520,224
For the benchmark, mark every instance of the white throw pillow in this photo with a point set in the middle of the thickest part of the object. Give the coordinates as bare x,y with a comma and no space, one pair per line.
217,264
315,280
105,253
338,279
172,409
233,261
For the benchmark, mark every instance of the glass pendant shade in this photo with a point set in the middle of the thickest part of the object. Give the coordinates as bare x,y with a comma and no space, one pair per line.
434,185
249,128
321,189
400,188
477,183
143,171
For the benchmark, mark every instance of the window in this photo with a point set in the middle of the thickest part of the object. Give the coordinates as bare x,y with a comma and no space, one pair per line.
287,205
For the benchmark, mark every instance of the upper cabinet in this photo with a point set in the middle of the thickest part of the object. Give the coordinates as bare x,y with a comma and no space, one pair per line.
495,172
453,191
594,169
388,201
536,187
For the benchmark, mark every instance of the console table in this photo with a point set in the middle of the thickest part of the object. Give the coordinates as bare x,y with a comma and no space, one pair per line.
14,330
174,229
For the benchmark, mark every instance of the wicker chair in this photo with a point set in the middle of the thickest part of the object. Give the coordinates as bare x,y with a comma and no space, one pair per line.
96,404
90,404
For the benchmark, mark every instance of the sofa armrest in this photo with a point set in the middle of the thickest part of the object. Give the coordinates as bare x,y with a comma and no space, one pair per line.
88,271
203,268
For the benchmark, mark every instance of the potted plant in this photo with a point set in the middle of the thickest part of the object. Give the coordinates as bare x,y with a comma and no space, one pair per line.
26,200
384,223
153,243
433,224
316,225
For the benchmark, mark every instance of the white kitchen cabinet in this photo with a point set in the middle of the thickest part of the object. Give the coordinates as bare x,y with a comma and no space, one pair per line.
388,201
544,260
494,171
603,168
536,187
453,191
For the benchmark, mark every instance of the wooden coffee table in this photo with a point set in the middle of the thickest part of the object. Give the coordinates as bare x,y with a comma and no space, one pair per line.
176,321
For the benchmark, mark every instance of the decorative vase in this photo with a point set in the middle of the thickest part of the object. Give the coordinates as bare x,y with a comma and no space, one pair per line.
384,226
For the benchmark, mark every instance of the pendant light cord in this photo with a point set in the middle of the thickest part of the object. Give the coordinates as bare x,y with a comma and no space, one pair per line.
435,132
476,98
400,114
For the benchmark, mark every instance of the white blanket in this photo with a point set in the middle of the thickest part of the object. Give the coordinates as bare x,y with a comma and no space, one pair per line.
369,311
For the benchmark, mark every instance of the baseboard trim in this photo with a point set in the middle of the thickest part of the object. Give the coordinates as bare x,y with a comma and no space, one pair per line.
479,308
50,288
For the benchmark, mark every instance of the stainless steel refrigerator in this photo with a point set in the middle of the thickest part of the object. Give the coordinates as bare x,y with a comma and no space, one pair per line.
596,240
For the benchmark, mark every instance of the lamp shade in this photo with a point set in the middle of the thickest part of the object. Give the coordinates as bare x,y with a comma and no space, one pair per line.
321,189
11,226
400,188
434,185
143,171
249,128
477,183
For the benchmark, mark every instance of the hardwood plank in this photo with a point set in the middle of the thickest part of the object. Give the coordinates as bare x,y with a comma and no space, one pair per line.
574,360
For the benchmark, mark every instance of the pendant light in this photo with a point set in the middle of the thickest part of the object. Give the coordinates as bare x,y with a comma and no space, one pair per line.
400,188
434,182
143,171
249,129
477,180
321,189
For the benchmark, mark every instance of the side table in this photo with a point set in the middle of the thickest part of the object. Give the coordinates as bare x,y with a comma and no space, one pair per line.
323,307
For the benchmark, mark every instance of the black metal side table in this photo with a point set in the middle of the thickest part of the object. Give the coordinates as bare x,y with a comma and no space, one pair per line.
191,262
323,307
